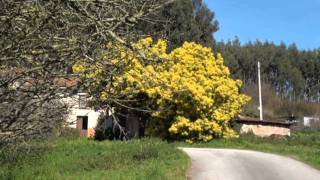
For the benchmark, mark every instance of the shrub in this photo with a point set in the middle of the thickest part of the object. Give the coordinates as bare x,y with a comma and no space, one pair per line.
190,91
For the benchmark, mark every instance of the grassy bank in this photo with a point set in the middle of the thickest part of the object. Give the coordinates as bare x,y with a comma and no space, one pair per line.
79,158
304,146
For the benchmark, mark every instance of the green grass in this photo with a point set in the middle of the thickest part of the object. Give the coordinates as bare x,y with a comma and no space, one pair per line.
79,158
303,146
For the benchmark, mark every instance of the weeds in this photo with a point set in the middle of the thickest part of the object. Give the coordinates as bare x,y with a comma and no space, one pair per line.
79,158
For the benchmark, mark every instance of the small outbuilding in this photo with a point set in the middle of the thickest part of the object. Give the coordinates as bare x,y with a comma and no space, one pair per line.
311,122
81,116
265,127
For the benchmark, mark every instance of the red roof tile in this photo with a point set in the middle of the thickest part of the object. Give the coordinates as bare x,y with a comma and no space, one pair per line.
264,121
66,82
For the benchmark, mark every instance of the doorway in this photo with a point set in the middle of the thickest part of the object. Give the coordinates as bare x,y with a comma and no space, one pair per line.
82,125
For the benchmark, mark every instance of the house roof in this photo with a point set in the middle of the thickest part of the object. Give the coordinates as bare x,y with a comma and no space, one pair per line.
6,72
282,122
66,82
69,81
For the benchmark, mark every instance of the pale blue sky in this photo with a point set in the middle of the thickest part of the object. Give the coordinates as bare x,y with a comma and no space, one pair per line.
290,21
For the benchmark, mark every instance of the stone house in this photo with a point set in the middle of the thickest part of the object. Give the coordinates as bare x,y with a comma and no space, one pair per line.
265,127
80,116
85,118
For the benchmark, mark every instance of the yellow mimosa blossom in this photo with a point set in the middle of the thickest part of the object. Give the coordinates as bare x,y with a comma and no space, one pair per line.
190,88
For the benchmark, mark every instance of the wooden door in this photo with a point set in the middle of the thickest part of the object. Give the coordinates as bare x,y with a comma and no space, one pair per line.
82,125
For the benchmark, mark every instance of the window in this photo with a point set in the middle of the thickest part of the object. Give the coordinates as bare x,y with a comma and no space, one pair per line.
82,101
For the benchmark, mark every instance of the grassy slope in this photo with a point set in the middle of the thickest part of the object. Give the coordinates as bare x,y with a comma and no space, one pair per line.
85,159
304,146
79,158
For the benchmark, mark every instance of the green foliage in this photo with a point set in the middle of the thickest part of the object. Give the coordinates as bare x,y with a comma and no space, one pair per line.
79,158
294,74
68,133
194,84
186,20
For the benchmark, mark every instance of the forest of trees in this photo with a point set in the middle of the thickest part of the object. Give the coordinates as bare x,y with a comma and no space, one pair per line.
294,74
183,20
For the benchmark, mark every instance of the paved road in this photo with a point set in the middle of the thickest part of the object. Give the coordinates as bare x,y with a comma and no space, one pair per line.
228,164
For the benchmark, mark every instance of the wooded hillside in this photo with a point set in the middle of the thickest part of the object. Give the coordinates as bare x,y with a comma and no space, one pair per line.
293,73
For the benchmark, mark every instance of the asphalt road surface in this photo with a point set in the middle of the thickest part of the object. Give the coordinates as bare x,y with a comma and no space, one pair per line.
229,164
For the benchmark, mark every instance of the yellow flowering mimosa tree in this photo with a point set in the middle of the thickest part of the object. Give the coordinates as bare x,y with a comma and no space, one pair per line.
192,94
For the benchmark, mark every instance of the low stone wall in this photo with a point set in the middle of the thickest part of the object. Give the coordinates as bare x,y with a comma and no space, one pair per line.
264,130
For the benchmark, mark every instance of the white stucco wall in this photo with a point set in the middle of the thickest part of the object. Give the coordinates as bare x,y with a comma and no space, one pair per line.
92,117
308,120
73,103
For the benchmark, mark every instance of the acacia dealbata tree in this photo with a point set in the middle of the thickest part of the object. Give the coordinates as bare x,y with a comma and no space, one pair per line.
190,92
180,21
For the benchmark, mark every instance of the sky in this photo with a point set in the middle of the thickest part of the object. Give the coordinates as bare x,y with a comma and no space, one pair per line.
288,21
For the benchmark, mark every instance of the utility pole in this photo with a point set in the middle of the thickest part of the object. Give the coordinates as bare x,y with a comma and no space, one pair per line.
260,97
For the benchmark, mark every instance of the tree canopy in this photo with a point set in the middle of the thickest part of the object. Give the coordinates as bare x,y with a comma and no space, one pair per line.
41,40
189,91
293,73
183,20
